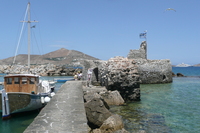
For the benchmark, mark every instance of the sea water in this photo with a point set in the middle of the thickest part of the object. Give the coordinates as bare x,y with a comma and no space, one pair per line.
166,108
19,122
187,71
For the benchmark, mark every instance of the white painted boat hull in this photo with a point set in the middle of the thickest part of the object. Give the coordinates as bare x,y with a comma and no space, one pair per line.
22,102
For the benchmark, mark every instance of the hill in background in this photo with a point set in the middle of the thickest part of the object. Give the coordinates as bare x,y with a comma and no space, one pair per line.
197,65
60,57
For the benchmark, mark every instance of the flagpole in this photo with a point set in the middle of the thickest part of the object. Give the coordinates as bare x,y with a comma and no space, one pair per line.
146,42
144,35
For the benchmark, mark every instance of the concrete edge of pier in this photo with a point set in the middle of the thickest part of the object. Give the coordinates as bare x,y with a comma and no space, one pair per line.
65,113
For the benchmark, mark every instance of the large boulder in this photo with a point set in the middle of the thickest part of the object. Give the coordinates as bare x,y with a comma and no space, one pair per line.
96,112
89,95
92,92
180,75
118,131
112,98
113,123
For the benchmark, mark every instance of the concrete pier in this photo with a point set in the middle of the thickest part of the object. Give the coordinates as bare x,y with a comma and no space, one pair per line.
65,113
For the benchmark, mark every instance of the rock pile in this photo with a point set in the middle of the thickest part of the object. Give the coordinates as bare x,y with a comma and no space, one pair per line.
100,119
121,74
178,75
43,70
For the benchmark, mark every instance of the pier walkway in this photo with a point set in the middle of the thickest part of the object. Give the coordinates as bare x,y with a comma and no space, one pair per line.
65,113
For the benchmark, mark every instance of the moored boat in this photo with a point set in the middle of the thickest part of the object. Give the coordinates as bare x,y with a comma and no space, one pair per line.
24,92
183,65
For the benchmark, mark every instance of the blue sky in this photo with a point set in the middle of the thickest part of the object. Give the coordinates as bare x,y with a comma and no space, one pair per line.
105,28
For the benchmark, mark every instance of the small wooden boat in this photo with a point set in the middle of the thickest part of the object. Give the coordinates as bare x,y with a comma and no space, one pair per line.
23,92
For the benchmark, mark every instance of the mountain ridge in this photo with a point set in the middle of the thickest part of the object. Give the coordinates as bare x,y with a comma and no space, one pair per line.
60,57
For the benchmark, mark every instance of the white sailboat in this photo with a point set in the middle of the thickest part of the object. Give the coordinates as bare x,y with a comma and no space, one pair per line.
24,92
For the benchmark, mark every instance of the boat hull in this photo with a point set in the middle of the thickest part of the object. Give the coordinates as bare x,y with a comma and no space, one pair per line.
22,102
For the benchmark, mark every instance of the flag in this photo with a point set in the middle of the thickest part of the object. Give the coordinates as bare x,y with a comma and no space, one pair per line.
143,35
33,26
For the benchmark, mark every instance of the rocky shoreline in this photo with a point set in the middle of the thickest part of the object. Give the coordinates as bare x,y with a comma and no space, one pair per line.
100,119
98,105
42,70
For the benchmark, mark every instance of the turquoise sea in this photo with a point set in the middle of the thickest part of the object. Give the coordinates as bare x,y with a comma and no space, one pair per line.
164,108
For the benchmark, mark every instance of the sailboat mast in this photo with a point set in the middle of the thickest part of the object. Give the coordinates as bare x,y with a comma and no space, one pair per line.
29,34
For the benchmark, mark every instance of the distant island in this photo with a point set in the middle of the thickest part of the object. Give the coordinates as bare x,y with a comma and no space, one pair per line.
197,65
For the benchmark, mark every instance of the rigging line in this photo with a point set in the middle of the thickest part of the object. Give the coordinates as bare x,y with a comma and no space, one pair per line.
40,49
33,35
36,41
41,41
20,35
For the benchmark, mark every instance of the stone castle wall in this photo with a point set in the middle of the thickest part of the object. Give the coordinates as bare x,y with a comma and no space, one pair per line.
121,74
151,71
138,53
154,71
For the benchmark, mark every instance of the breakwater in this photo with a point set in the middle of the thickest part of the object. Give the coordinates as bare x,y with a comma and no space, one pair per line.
64,113
77,108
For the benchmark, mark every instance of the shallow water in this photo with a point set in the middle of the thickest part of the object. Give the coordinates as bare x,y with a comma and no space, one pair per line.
18,123
165,108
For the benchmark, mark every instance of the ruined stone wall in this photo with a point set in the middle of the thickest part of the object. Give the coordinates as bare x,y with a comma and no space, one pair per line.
151,71
154,71
121,74
118,70
140,53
